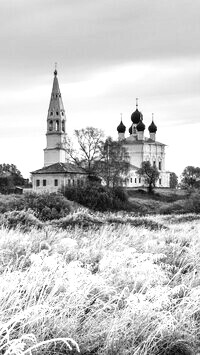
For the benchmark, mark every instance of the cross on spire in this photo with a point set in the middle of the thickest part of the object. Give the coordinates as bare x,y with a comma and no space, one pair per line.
121,116
55,71
136,102
152,116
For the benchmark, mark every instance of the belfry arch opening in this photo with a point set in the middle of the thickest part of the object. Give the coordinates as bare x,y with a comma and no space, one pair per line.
63,125
50,125
57,125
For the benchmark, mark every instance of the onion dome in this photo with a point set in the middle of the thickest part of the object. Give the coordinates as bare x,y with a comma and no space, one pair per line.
130,130
141,126
136,116
152,128
121,128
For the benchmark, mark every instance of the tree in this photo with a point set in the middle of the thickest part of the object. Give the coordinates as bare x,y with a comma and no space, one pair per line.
10,177
89,144
150,174
173,181
190,177
114,163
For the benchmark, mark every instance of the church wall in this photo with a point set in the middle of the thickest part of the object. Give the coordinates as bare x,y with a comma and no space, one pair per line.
52,156
54,182
54,139
135,152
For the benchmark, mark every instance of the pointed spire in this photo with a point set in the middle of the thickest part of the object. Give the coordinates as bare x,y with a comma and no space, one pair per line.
56,113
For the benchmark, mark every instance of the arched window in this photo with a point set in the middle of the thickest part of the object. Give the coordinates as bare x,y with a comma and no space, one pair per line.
57,113
57,125
51,114
50,125
63,125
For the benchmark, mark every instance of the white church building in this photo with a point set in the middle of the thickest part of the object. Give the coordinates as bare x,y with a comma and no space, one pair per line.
141,148
58,173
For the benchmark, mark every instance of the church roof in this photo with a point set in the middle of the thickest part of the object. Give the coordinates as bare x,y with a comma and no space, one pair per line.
60,168
129,140
56,107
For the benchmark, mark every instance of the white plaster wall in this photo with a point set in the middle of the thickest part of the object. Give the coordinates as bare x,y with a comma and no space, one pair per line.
63,180
52,156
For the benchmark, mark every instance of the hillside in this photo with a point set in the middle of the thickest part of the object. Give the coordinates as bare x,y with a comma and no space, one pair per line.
101,283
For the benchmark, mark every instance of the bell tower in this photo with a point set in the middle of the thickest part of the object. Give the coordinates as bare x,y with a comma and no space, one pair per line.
56,120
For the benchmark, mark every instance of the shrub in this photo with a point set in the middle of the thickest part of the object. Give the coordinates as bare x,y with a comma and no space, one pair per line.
47,206
24,220
11,203
98,197
193,203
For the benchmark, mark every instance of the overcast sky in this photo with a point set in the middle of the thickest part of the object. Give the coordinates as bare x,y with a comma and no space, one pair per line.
108,52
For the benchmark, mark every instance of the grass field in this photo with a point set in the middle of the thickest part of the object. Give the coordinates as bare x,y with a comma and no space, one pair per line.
117,284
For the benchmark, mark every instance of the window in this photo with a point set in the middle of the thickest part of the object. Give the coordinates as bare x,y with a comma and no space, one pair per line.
69,182
44,182
139,180
50,125
57,125
63,125
159,165
131,180
62,113
135,180
160,181
154,163
73,182
57,113
51,114
37,183
56,182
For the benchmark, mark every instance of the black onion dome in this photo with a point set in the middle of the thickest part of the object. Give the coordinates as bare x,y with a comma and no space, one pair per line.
136,116
141,126
121,128
152,128
130,130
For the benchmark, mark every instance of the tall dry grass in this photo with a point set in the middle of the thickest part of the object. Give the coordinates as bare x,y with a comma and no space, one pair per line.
116,289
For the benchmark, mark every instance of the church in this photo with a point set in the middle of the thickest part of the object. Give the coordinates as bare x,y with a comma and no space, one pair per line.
141,148
58,173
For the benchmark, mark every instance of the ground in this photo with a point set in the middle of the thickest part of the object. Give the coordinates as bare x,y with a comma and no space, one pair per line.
103,284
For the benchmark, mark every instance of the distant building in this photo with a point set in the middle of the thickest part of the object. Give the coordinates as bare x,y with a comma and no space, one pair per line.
141,148
56,172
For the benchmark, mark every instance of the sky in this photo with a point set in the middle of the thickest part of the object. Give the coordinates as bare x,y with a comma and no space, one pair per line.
108,52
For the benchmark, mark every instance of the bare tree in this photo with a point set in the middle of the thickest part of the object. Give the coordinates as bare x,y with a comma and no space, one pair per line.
86,149
114,163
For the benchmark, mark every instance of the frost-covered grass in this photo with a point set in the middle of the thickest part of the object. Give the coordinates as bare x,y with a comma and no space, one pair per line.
112,288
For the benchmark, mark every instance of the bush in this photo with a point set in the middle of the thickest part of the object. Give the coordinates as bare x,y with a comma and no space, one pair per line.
193,203
47,206
99,198
24,220
11,203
